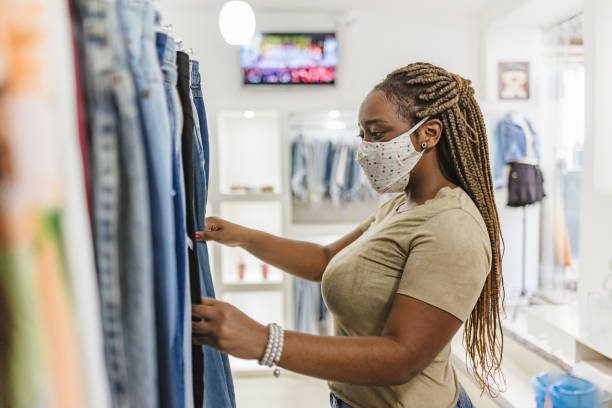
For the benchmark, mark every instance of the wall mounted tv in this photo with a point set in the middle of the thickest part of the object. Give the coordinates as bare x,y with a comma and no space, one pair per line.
290,58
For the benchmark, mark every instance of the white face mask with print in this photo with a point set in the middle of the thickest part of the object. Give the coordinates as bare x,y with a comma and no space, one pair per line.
388,164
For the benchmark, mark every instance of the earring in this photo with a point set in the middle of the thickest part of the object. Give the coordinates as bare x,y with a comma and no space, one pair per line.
423,145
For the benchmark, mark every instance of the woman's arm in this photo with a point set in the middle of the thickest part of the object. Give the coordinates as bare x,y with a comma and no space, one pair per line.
414,335
302,259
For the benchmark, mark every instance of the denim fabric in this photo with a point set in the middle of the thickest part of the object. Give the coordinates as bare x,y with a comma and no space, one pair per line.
137,25
463,401
336,402
135,253
198,100
167,57
219,387
335,190
306,305
299,186
322,305
95,26
511,145
187,149
328,166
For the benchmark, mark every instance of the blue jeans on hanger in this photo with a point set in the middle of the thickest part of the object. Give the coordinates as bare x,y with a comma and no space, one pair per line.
463,401
120,206
137,19
166,51
219,386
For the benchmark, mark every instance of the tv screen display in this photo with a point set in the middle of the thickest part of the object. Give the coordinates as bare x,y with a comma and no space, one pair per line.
290,58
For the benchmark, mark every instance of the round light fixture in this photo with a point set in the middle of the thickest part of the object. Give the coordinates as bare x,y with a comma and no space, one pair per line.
334,114
249,114
237,22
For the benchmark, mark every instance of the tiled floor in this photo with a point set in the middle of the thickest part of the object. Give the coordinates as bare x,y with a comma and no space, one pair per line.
289,390
293,391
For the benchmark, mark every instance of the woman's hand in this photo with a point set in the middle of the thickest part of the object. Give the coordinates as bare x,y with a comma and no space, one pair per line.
228,330
223,232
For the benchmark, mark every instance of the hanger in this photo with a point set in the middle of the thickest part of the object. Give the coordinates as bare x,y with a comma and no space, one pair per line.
179,43
189,52
167,29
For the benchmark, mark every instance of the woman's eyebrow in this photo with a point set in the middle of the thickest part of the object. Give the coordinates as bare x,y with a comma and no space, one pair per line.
374,122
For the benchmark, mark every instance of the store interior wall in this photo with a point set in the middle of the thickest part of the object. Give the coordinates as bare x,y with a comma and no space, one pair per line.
596,211
507,42
372,43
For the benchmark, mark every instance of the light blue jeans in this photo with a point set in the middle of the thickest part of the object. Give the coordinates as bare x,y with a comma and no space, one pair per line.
463,402
119,212
218,383
137,18
166,52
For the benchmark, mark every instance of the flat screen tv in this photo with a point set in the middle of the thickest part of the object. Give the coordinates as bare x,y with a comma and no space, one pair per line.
290,58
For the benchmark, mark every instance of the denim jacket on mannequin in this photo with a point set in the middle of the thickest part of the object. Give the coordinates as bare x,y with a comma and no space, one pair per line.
511,146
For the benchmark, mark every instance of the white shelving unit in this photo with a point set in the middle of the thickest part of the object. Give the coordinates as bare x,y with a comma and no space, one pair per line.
253,150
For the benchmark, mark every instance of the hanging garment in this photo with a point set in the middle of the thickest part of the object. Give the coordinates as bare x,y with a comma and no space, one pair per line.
187,143
76,215
306,305
525,185
120,202
167,56
137,19
41,349
219,391
511,146
198,100
299,176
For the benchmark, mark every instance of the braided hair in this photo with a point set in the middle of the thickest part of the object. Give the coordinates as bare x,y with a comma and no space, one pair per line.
419,90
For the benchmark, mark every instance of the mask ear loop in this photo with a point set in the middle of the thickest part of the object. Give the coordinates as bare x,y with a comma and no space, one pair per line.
411,131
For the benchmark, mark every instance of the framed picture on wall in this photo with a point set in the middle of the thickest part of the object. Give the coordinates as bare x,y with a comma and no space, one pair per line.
514,80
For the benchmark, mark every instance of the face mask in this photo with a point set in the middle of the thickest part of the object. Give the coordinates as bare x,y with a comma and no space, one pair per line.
388,164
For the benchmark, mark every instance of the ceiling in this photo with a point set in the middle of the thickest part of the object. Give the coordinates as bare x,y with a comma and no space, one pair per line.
468,6
541,13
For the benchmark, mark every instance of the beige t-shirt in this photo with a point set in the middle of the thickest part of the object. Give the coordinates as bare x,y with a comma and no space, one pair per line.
439,253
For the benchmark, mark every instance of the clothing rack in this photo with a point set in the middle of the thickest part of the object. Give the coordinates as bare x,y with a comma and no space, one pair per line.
99,289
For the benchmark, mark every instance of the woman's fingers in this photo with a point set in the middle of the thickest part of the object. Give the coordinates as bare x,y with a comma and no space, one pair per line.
203,311
201,328
204,340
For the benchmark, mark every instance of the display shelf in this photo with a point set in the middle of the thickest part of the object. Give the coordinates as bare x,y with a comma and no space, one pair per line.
249,141
239,266
253,287
314,230
249,197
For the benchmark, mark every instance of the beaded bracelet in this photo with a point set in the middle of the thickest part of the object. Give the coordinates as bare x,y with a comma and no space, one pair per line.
274,348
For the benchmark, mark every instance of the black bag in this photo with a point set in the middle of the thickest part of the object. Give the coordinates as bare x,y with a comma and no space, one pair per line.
525,185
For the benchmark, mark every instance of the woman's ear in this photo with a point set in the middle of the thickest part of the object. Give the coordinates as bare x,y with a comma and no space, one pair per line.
430,133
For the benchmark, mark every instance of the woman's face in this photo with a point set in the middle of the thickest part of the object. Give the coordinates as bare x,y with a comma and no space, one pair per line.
379,120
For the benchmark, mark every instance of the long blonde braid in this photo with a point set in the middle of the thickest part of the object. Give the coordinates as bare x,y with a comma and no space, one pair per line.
419,90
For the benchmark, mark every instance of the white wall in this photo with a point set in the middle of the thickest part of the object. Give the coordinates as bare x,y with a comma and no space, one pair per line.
378,42
596,212
509,44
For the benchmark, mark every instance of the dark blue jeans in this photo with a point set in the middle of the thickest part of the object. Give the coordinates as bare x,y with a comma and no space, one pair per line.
463,402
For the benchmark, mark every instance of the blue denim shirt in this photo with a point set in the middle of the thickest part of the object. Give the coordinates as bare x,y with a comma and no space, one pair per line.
511,146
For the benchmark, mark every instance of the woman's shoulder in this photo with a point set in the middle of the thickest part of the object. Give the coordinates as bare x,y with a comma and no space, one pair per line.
453,208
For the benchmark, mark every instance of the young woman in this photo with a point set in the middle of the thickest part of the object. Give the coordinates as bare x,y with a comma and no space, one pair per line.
401,285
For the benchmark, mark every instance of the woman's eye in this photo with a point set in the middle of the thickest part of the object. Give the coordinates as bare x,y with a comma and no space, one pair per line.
376,135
